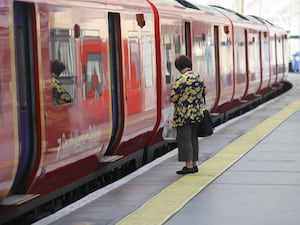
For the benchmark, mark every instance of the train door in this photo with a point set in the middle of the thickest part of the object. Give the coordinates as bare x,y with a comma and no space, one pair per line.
273,72
240,44
279,58
26,75
116,80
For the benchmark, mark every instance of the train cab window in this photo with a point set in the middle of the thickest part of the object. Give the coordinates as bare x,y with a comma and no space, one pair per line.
147,58
134,76
63,49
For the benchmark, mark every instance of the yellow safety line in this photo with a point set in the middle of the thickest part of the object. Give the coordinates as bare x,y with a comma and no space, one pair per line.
166,203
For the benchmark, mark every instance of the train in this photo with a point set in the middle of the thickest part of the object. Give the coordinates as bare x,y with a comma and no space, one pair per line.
119,70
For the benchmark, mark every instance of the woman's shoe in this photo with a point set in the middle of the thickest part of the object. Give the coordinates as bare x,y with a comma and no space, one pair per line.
195,169
186,170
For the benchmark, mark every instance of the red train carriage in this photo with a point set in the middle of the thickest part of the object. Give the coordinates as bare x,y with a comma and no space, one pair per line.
196,33
58,141
278,53
138,75
274,54
119,71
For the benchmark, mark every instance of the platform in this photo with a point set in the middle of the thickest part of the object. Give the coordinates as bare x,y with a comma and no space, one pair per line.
249,173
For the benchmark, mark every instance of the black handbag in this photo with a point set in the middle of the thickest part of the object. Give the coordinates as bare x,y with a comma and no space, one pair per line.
206,125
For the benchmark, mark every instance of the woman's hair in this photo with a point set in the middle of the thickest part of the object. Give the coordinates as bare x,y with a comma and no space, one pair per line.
182,62
57,67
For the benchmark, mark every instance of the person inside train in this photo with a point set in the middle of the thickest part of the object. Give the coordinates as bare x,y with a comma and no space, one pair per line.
59,94
187,96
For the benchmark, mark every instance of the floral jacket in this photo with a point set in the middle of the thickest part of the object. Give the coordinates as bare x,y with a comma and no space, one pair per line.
187,96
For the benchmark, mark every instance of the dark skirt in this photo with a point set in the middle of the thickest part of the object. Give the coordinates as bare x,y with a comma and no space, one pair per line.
187,140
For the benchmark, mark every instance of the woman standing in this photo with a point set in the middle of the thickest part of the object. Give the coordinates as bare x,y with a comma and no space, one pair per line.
187,96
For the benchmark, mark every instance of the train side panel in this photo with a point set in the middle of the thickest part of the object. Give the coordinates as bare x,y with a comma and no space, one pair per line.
77,133
9,130
226,80
254,62
204,49
139,78
265,65
273,57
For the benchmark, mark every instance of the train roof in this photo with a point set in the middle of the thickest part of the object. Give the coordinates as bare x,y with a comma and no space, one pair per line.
189,10
230,13
259,19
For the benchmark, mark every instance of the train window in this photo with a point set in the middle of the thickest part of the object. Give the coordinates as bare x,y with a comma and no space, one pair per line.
240,53
63,49
177,45
279,53
226,54
147,58
134,61
273,55
199,54
203,54
285,54
209,55
168,57
93,82
253,53
93,50
265,55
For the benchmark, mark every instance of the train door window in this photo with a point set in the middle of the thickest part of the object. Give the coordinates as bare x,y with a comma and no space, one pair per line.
285,53
226,53
265,53
272,55
93,85
253,53
240,53
279,53
209,55
92,59
177,45
134,77
63,49
199,55
203,54
168,57
147,58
